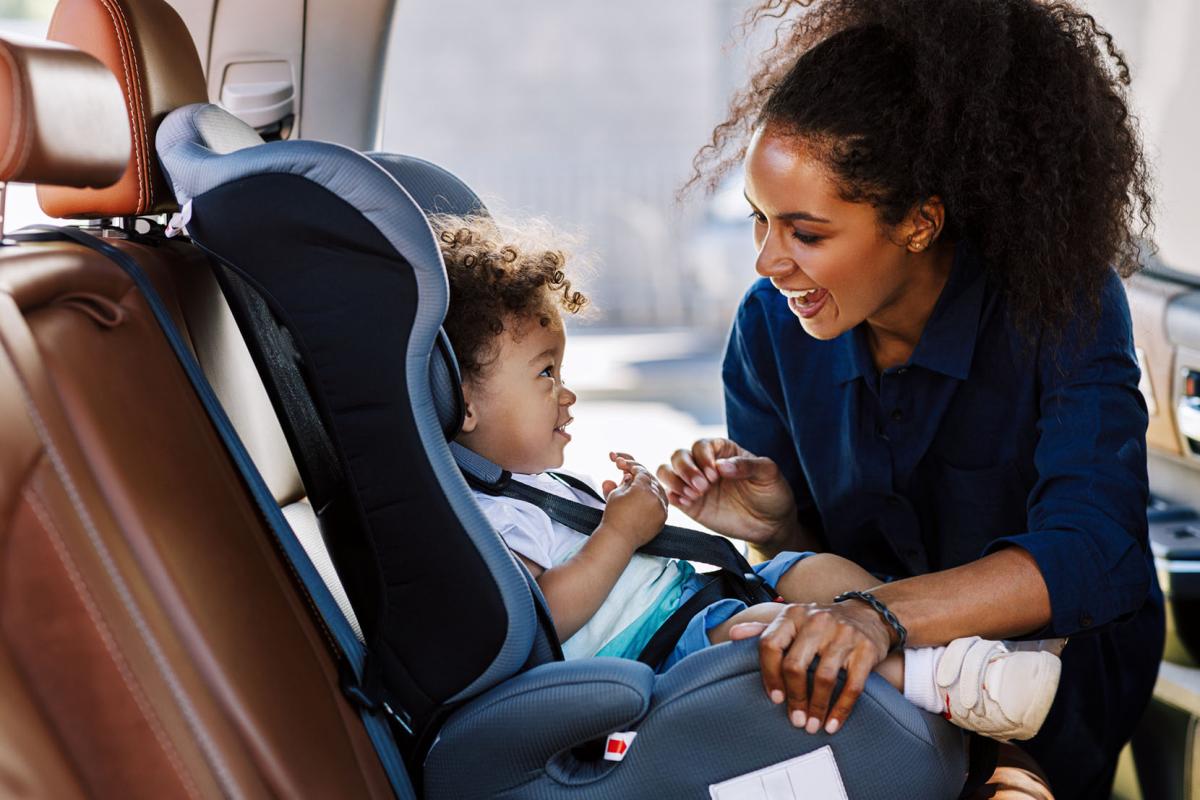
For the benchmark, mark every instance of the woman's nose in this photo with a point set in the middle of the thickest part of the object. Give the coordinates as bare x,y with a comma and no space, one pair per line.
773,259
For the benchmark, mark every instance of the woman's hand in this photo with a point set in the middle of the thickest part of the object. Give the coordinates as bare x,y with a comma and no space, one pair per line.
848,636
728,489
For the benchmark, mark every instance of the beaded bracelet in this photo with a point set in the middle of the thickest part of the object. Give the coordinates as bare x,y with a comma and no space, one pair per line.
884,611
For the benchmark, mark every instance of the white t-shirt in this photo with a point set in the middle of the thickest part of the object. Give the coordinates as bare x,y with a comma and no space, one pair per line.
647,592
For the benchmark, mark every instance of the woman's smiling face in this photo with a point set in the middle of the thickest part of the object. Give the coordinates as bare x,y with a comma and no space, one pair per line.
832,258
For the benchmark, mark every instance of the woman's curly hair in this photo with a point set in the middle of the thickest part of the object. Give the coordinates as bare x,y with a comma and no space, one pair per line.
500,277
1014,112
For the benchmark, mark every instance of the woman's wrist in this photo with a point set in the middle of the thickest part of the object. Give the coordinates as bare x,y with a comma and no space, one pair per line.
897,634
784,535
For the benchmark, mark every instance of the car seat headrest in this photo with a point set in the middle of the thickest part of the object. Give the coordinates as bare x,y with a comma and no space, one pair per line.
437,191
148,48
60,117
345,260
434,189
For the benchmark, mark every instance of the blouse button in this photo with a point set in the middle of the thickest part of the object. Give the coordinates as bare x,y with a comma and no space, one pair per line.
1086,620
897,415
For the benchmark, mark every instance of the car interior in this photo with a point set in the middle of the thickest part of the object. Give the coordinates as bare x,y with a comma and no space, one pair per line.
206,590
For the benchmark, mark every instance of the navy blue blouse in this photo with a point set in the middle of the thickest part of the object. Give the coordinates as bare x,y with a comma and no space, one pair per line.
984,439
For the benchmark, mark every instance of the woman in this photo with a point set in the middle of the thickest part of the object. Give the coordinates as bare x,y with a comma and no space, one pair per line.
935,376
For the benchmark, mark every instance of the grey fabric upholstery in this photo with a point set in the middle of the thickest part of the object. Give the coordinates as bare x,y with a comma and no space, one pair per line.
223,132
705,721
434,189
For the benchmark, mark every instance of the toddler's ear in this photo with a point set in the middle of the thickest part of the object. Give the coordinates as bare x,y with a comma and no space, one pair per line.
471,418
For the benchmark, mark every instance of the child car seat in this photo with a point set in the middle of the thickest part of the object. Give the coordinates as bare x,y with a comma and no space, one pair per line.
338,284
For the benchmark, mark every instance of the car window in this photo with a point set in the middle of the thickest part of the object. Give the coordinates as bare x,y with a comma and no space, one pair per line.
1159,40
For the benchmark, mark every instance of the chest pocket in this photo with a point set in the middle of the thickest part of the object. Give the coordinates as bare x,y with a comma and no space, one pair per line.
975,507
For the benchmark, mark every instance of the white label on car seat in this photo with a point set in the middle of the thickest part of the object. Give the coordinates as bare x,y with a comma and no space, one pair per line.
618,744
812,776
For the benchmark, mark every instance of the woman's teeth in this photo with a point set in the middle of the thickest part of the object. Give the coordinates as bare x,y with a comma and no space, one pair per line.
802,296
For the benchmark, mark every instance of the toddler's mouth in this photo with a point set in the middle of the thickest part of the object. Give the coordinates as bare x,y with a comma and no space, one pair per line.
561,429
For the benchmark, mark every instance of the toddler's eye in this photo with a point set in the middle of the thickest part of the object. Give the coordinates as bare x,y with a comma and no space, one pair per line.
548,372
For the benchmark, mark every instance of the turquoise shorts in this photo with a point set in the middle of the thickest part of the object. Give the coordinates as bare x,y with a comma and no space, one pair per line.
695,635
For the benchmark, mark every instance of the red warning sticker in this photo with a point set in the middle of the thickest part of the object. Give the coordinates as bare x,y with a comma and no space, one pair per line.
618,744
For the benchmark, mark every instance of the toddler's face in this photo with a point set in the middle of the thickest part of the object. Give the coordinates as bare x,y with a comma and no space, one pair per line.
517,411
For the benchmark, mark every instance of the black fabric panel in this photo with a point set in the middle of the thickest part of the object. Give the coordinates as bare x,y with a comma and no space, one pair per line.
349,301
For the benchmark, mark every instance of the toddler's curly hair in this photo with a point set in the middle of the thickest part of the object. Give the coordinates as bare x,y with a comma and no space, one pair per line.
501,276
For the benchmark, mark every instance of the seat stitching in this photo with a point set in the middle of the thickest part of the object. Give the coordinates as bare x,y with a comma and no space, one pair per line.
93,611
144,131
16,130
203,739
130,92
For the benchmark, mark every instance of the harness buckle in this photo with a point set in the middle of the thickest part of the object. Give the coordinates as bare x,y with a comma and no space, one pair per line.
757,585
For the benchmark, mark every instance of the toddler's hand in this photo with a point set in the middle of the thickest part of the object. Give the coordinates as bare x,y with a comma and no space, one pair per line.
637,507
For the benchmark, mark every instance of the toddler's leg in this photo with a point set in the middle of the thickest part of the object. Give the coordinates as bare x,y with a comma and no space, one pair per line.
821,577
762,612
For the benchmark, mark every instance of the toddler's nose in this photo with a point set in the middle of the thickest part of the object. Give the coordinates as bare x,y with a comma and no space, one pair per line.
566,397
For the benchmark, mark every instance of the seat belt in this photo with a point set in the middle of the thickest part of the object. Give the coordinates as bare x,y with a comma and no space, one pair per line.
351,652
671,542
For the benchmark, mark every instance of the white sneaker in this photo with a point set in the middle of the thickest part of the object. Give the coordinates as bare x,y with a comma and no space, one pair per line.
989,689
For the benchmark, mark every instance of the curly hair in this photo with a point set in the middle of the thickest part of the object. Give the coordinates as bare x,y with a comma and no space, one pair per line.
500,277
1013,112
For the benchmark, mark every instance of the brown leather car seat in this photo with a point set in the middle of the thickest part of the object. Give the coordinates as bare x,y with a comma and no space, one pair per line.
148,48
151,642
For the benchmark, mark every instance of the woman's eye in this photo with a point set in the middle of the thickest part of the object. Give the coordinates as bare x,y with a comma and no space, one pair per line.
805,238
758,217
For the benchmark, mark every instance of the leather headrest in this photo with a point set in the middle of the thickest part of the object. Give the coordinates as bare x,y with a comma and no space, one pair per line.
60,117
149,49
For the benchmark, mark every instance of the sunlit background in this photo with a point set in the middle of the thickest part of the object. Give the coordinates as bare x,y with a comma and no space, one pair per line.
589,114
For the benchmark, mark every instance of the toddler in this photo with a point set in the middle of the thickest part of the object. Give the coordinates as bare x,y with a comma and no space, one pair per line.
508,292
